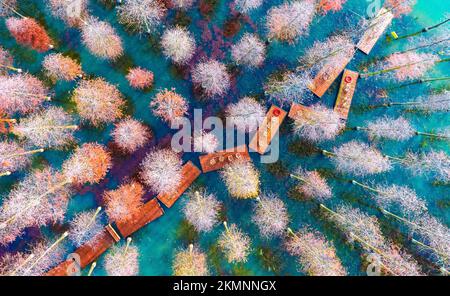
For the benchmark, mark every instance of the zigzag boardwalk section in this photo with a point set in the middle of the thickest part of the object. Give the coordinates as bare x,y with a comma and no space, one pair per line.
268,129
376,28
152,210
90,251
190,172
345,95
216,161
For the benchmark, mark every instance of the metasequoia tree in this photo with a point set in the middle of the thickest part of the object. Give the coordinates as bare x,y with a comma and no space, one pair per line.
400,199
130,135
245,6
365,230
41,257
234,243
29,33
161,170
14,157
124,202
246,115
178,45
140,78
122,260
22,93
316,256
40,199
205,142
190,262
50,128
398,129
70,12
141,15
88,164
101,39
59,67
290,20
270,215
319,124
250,51
311,184
169,105
98,101
242,179
85,227
439,102
212,77
202,210
404,66
359,159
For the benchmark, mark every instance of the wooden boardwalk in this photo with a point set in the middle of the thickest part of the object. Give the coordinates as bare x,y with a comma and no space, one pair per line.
345,95
268,129
216,161
90,251
152,210
149,212
327,75
376,28
190,173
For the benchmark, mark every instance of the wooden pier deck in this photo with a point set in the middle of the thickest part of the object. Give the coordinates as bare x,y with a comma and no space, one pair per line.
376,28
90,251
327,75
268,129
152,210
216,161
190,173
346,92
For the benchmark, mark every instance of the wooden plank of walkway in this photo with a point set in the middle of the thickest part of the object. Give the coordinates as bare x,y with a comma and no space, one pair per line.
299,111
346,92
190,172
88,253
149,212
327,75
216,161
268,129
376,28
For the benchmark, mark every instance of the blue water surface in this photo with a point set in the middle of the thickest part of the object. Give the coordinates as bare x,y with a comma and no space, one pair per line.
158,241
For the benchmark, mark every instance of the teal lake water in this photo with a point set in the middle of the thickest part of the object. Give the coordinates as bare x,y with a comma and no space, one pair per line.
158,241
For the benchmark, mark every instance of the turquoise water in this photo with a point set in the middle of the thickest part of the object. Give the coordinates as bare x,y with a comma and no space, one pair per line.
158,241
